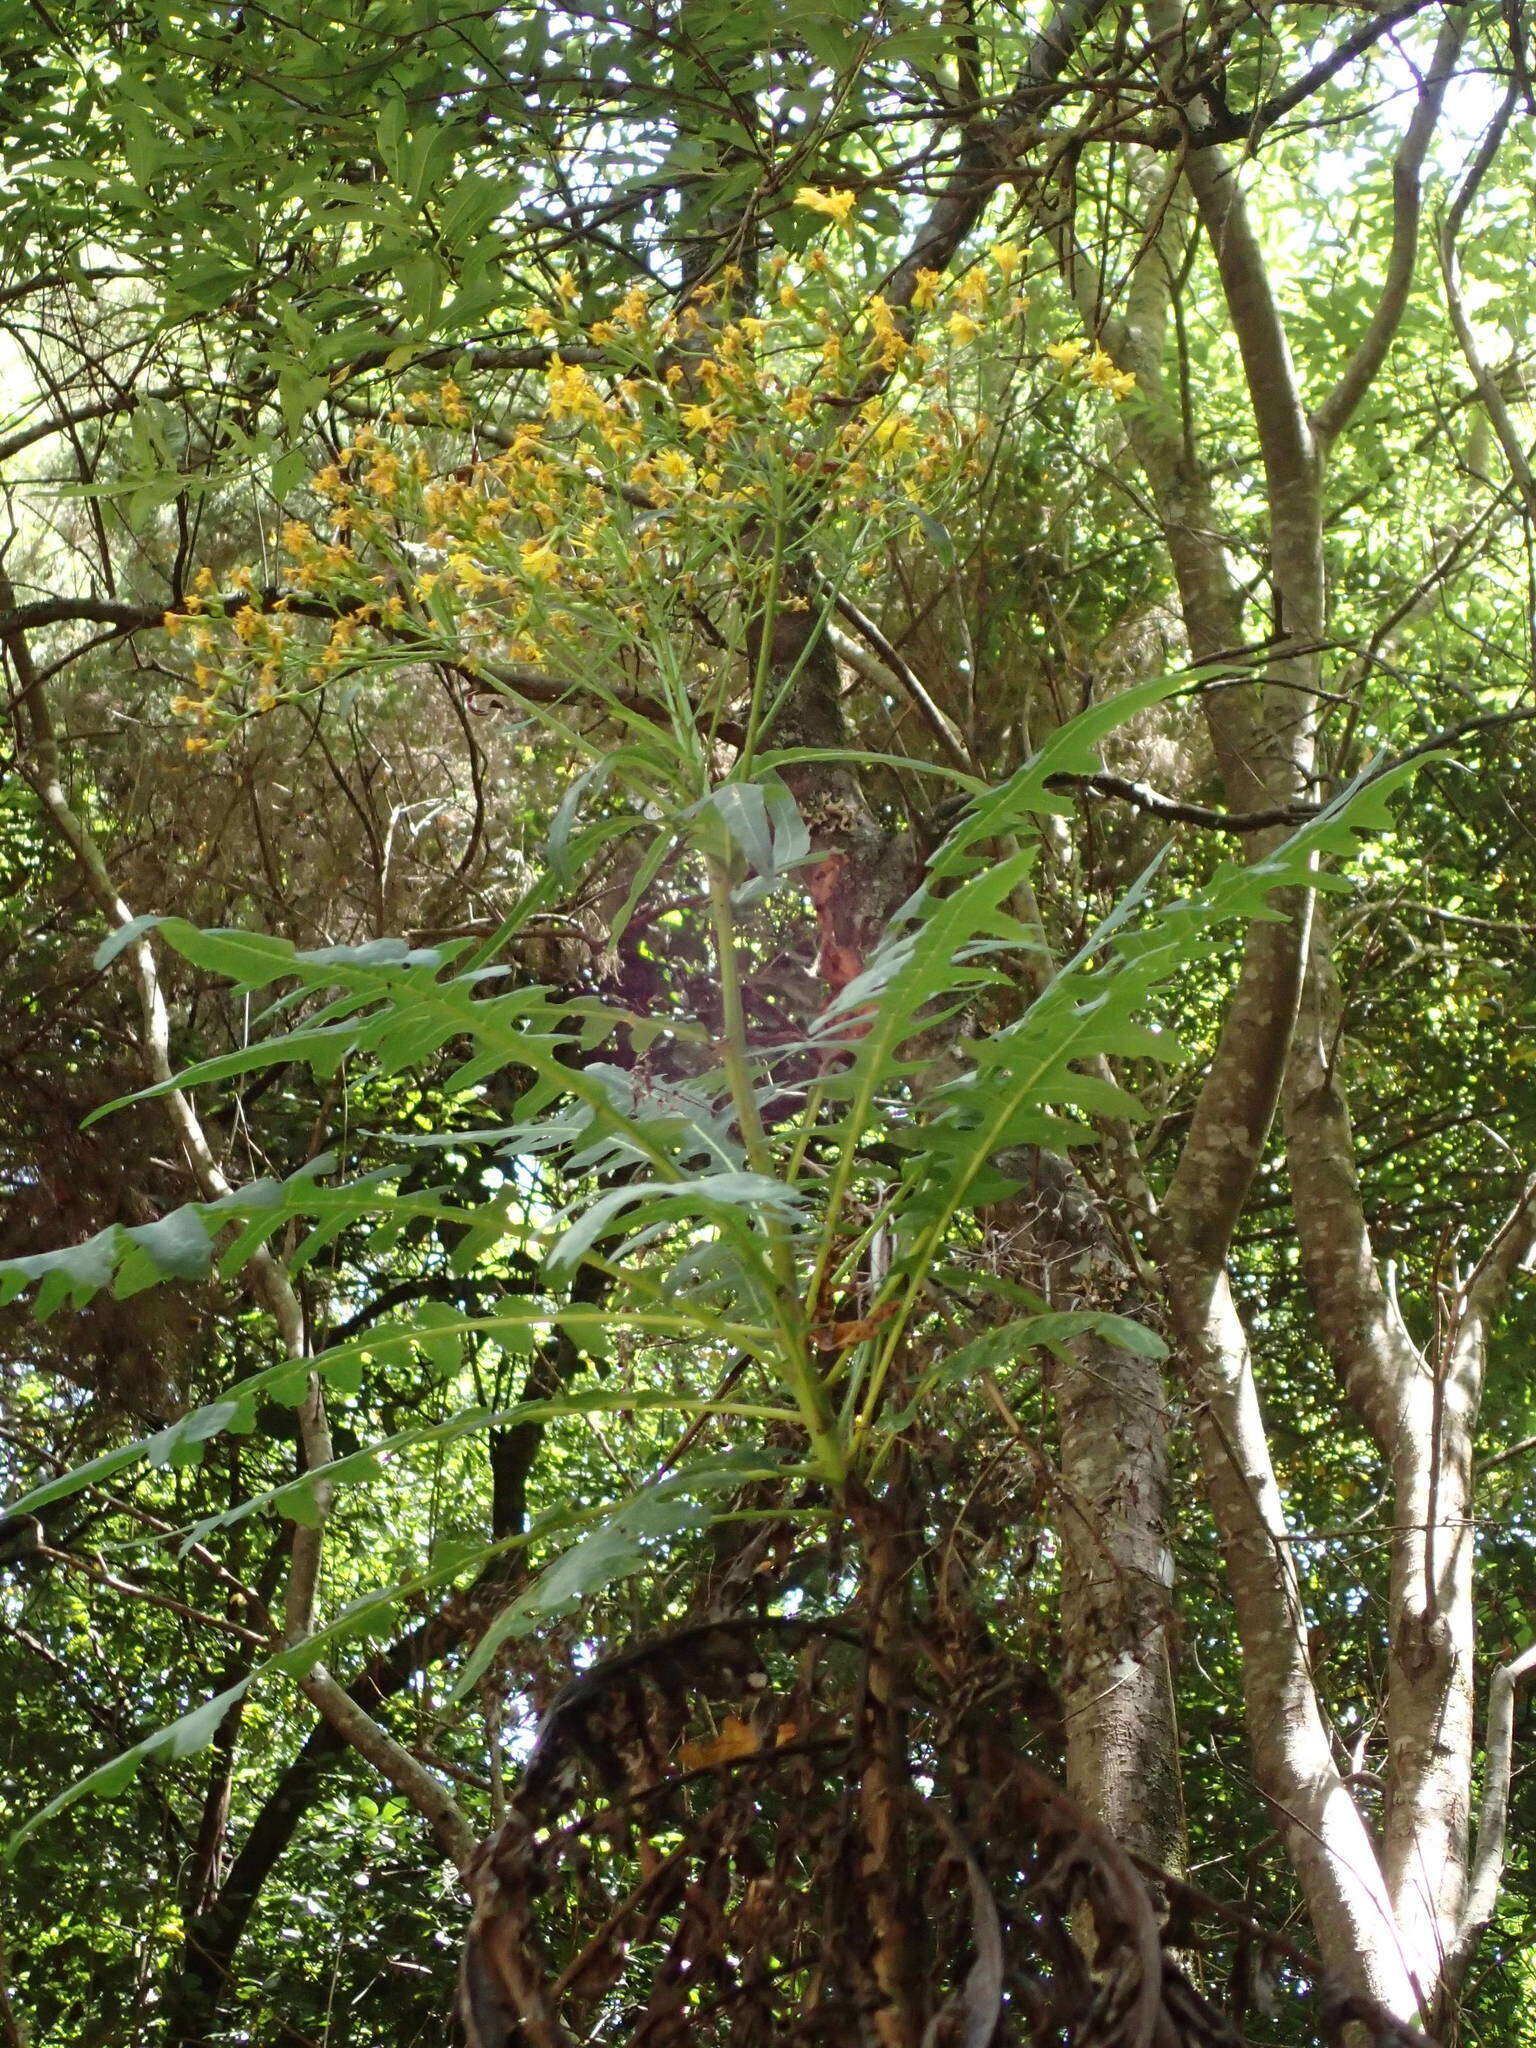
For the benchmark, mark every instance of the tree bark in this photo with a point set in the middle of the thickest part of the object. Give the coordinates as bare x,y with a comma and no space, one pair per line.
1117,1599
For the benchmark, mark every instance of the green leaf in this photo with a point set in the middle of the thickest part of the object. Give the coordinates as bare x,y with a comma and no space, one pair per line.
708,1197
178,1247
615,1550
182,1738
120,940
1051,1330
77,1272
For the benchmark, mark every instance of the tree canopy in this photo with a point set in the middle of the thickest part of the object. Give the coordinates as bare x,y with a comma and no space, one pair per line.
767,1023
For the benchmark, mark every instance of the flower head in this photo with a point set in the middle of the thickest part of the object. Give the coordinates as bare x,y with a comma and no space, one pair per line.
836,204
540,561
1100,370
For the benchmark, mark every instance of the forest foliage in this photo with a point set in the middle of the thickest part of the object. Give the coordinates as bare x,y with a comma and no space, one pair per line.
766,1125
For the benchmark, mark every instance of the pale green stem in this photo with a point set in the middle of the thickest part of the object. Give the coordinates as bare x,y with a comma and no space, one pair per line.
804,1382
764,664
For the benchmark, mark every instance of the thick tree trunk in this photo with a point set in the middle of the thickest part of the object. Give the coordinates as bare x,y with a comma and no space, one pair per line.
1116,1599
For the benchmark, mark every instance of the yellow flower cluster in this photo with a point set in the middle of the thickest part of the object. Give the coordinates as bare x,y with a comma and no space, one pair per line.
1096,366
633,494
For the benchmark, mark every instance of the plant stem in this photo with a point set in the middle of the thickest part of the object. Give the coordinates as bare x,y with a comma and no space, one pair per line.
804,1381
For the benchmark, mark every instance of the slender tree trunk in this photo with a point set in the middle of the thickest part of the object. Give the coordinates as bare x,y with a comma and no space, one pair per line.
1423,1422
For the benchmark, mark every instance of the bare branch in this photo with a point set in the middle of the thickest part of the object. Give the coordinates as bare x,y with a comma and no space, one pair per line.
1508,1250
393,1762
1294,1765
1487,384
1219,123
78,416
1331,417
986,158
899,672
1492,1825
1156,805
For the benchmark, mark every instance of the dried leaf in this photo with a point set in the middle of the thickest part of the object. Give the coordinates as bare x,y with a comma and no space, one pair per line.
736,1738
839,1336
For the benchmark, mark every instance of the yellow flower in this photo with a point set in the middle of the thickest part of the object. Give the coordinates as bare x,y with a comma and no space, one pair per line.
673,464
1100,370
698,419
789,298
925,293
196,742
565,285
467,572
539,321
384,476
798,404
540,561
632,308
753,328
246,622
570,391
836,205
1007,256
972,291
171,621
1065,352
891,344
962,328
